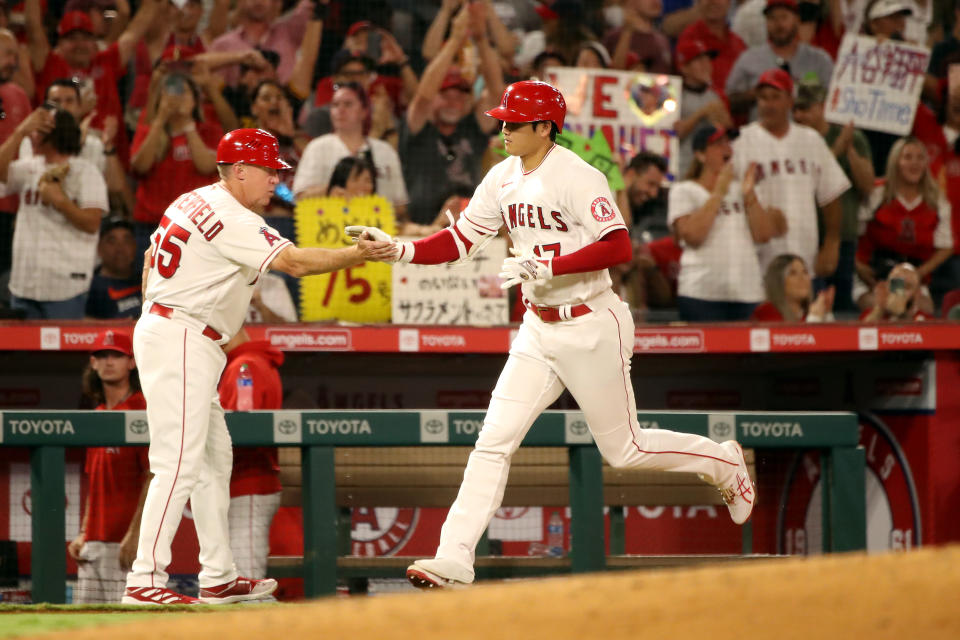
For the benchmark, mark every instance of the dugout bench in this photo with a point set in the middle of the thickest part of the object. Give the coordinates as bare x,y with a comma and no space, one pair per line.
431,476
319,435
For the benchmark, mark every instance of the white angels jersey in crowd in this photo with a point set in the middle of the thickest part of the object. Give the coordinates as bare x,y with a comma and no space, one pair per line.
53,259
795,173
555,209
208,251
724,267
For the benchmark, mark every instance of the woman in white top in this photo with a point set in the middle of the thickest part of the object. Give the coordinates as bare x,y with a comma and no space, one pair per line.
350,116
718,220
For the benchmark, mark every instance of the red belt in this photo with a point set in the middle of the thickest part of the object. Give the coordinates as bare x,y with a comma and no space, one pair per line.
552,314
167,312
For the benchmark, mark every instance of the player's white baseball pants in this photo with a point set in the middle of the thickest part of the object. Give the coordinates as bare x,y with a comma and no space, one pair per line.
99,577
590,356
190,450
250,520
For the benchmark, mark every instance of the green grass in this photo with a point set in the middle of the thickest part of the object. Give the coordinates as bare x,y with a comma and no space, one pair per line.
18,620
15,625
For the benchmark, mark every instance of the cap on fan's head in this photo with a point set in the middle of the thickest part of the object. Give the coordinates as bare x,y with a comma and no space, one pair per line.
531,101
113,340
690,49
786,4
250,146
454,79
809,93
884,8
706,136
776,78
74,21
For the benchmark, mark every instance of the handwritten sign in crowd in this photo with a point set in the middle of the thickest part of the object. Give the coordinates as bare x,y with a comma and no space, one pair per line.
633,111
357,294
465,294
876,84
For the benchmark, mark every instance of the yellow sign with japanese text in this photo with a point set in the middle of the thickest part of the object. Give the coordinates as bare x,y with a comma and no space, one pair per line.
356,294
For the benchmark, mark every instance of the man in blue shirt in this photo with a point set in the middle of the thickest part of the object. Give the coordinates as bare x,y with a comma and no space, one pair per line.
115,288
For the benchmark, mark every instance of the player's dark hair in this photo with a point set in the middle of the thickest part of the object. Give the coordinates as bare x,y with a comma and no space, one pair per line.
646,159
346,168
93,386
69,83
553,128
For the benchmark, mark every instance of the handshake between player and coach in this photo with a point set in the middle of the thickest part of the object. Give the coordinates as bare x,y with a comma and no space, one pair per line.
515,270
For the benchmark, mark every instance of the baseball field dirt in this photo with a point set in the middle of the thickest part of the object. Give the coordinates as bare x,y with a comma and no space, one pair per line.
846,597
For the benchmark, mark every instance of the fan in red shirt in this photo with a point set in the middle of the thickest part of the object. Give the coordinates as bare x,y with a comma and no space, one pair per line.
910,220
899,298
712,31
76,56
789,292
117,479
174,150
255,482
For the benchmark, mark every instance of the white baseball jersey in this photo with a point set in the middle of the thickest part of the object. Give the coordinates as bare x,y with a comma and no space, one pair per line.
557,208
322,154
725,266
208,252
795,174
52,259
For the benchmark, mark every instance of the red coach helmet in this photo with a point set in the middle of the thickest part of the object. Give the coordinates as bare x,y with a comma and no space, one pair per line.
531,101
250,146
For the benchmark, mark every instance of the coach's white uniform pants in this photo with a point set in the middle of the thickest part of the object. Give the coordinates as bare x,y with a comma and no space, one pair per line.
190,450
590,356
99,576
250,520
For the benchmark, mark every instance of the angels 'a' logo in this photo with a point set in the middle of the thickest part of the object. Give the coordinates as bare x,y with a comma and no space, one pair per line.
382,531
602,210
893,506
269,236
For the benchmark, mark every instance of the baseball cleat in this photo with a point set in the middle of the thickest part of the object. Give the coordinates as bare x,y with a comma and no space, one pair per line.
740,492
155,596
428,574
238,590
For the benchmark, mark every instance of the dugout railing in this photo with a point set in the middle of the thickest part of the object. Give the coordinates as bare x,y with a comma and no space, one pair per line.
318,433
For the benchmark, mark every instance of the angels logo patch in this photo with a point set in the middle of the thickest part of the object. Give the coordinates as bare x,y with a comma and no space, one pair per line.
602,210
893,506
382,531
269,236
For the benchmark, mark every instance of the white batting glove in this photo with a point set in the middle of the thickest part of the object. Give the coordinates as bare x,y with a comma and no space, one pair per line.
522,269
355,231
404,249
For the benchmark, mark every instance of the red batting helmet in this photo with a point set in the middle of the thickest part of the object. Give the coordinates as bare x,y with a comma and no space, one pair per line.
250,146
530,101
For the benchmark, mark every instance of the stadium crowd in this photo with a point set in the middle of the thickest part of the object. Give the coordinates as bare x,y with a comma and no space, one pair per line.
112,108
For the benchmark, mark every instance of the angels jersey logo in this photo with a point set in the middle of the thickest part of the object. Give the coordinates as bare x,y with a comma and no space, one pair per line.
602,210
269,236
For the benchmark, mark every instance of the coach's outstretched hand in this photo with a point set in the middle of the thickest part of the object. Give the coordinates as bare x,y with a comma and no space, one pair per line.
374,242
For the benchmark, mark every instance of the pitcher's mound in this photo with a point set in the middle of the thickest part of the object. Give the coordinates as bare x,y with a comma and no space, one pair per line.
847,597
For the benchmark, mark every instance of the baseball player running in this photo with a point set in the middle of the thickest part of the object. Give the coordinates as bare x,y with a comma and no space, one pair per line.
576,333
207,253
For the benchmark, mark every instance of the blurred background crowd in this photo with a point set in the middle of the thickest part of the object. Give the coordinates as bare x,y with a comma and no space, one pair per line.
112,108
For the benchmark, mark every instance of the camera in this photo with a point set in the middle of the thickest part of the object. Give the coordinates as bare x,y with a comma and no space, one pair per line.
175,84
898,285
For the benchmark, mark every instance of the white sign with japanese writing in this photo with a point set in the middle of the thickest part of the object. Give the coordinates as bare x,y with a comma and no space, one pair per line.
876,84
464,294
635,111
